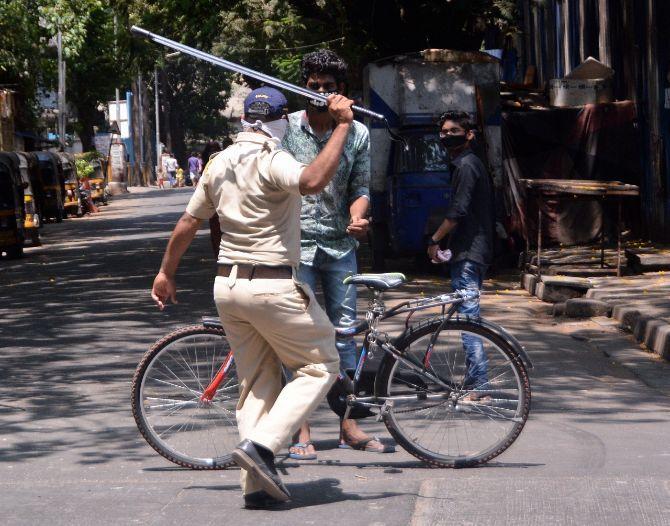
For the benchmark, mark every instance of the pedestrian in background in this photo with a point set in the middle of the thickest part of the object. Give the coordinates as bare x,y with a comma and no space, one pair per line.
171,166
194,168
467,231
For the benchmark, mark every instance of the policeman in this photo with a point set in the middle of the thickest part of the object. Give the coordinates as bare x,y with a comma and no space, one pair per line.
269,317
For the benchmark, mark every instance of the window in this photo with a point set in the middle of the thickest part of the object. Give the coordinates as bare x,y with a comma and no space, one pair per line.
425,154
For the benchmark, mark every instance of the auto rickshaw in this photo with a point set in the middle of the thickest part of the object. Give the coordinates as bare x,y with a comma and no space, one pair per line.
33,220
11,207
97,182
72,196
53,185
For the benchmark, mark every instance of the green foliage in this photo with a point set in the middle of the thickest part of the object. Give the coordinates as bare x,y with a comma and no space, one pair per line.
268,35
70,17
84,168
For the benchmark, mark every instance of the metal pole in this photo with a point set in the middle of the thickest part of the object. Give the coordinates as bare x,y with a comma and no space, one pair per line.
539,237
618,239
158,124
217,61
140,111
118,98
61,92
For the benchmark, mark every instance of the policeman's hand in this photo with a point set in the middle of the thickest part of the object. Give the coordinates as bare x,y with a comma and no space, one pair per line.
339,108
164,289
358,227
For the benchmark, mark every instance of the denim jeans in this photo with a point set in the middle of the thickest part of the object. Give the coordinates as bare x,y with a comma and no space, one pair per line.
467,274
340,299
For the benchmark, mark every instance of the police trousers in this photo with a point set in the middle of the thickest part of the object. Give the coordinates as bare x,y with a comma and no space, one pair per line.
270,322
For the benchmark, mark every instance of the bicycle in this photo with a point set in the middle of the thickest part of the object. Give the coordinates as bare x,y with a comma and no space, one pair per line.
184,391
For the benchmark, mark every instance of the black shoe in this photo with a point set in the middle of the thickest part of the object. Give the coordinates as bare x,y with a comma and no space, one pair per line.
259,462
261,500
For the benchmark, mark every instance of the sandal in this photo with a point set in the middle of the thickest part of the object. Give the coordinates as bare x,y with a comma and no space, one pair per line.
366,445
303,446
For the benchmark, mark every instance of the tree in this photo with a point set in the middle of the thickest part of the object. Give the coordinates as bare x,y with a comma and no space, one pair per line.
21,40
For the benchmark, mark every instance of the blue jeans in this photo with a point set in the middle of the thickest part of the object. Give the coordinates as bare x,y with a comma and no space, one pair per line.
467,274
340,299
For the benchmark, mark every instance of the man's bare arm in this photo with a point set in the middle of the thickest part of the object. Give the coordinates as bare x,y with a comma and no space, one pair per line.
358,210
321,170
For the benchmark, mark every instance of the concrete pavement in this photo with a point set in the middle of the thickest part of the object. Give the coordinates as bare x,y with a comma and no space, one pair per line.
75,318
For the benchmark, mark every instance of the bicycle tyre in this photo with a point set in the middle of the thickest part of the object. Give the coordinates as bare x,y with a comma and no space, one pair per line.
508,361
142,384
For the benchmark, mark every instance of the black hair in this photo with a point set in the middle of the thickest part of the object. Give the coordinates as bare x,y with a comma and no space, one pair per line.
210,148
323,61
464,120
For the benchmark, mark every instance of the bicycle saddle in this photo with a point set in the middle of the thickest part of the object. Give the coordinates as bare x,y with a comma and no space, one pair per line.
385,281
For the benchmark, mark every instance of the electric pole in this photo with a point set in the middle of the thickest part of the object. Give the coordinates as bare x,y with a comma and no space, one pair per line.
62,116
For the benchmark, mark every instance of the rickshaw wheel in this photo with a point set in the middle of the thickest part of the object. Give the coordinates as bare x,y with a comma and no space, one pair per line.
14,252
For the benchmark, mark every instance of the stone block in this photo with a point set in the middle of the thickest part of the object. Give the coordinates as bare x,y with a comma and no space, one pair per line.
586,308
627,315
558,309
651,262
643,326
660,343
528,282
555,292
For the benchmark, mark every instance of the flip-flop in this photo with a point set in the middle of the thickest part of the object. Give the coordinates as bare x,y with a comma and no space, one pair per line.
362,445
303,446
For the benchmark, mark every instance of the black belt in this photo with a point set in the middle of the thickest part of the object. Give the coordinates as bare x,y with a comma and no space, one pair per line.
248,271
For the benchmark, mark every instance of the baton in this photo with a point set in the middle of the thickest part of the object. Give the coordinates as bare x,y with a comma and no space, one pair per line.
232,66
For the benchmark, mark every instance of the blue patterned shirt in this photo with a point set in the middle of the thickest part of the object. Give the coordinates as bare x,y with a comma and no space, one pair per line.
325,216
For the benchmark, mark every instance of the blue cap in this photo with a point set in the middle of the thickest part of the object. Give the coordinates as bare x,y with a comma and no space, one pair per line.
265,102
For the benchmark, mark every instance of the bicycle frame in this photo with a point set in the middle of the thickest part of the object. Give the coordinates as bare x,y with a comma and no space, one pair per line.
377,312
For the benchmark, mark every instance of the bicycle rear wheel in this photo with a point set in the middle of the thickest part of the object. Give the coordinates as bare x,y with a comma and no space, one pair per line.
166,398
456,422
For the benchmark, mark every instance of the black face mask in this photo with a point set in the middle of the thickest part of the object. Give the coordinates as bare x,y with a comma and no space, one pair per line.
453,141
319,105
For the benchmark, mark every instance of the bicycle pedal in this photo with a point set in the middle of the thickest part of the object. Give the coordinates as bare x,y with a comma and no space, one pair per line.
385,410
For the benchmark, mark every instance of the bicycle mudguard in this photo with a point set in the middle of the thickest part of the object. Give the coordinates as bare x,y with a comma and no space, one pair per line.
212,322
505,335
496,329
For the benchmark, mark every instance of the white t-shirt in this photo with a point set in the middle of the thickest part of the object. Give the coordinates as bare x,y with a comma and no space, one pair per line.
171,164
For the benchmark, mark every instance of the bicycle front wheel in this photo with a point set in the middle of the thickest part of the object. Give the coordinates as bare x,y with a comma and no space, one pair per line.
167,398
472,410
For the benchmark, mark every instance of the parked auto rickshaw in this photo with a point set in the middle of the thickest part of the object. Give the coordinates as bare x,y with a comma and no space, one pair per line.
53,185
32,220
11,207
72,197
97,182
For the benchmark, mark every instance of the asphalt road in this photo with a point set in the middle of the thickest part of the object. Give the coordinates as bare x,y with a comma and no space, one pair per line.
75,318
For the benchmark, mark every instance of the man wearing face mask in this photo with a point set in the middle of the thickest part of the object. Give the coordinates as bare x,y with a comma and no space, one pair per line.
270,319
467,231
330,221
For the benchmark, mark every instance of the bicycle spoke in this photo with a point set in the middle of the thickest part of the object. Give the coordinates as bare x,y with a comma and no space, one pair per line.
180,423
471,420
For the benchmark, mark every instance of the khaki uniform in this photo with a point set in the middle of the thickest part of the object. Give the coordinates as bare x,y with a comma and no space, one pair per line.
254,188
